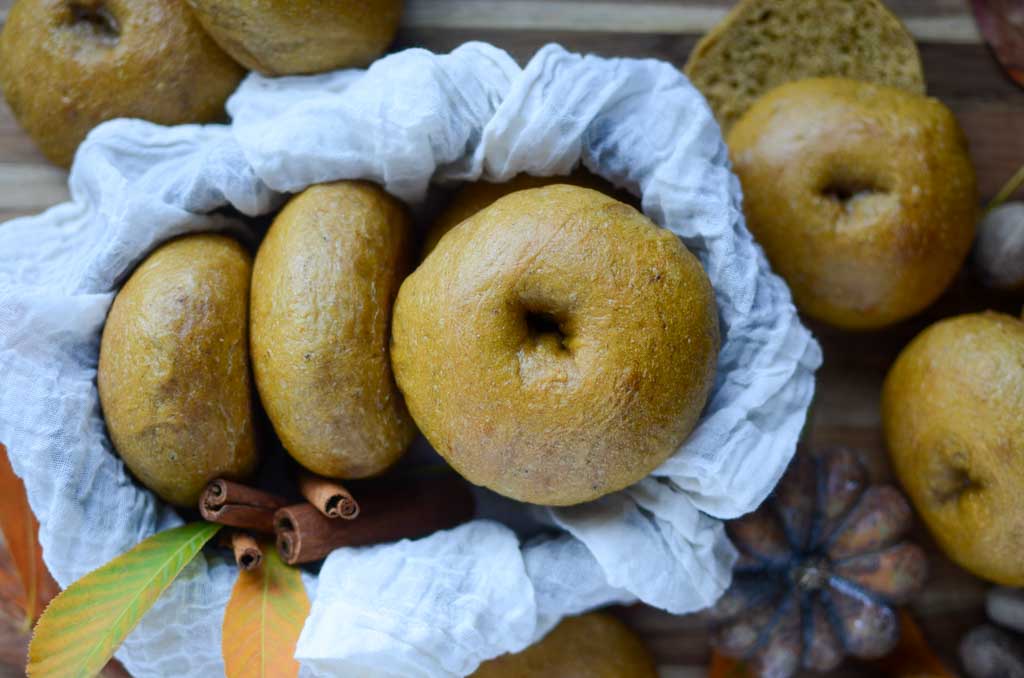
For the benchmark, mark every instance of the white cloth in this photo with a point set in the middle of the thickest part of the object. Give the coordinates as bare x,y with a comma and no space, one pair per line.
440,605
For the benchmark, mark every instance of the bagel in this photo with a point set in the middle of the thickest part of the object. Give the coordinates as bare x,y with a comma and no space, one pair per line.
473,197
863,196
322,287
951,415
594,645
762,44
289,37
173,373
66,67
556,346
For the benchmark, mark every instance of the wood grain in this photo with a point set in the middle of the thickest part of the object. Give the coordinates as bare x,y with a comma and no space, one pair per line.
575,16
960,72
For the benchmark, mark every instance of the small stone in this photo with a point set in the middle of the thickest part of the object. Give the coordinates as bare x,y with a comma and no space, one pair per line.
999,248
1005,606
989,652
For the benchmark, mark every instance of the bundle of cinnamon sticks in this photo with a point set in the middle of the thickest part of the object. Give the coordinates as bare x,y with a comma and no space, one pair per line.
331,517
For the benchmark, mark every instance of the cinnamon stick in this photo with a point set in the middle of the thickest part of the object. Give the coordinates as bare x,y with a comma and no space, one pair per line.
248,554
391,510
236,505
329,496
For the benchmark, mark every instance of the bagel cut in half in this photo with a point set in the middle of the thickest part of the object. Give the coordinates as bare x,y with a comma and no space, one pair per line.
862,196
764,43
556,346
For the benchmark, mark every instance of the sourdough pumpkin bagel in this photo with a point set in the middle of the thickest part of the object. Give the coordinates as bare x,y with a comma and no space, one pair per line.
473,197
285,37
762,44
594,645
65,67
322,287
173,373
556,346
953,422
863,196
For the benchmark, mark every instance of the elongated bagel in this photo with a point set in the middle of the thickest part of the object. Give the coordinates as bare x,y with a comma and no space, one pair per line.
322,287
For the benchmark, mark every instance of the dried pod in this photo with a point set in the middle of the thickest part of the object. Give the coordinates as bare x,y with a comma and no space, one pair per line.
822,563
999,248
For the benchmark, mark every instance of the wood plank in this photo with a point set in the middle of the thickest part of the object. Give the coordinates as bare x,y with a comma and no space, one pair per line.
637,17
38,186
930,20
955,73
899,7
15,145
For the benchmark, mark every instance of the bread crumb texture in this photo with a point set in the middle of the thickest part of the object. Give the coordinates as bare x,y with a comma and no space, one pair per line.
765,43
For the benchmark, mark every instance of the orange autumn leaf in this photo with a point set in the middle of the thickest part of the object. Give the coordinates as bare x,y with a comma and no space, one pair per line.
912,656
724,667
21,533
263,620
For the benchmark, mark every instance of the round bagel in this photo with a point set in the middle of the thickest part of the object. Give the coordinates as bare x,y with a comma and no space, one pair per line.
66,67
556,346
863,196
473,197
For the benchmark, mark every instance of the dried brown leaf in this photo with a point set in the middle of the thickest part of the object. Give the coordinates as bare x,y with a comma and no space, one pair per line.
21,533
913,656
1001,22
725,667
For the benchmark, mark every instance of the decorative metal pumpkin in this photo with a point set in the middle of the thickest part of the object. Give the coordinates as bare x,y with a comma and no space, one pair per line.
821,564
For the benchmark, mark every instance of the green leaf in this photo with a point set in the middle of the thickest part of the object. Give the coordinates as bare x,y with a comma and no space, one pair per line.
85,624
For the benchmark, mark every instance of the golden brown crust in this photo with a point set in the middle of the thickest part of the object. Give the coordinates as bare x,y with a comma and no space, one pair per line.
556,346
64,71
473,197
593,645
951,410
323,285
283,37
862,196
762,44
173,371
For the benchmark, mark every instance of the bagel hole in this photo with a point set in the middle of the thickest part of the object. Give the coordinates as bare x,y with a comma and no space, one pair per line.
848,191
953,484
95,20
953,479
544,327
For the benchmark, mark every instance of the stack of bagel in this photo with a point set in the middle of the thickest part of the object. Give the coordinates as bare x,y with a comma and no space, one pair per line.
857,185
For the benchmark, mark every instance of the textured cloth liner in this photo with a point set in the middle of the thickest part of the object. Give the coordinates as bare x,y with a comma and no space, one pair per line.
439,605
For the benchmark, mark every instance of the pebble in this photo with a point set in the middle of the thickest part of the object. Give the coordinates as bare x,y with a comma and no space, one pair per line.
999,247
1005,606
989,652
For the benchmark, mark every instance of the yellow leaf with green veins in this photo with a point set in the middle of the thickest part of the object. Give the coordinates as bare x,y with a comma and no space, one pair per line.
85,624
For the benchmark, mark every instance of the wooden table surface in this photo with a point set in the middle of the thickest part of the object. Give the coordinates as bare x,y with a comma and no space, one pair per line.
960,71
